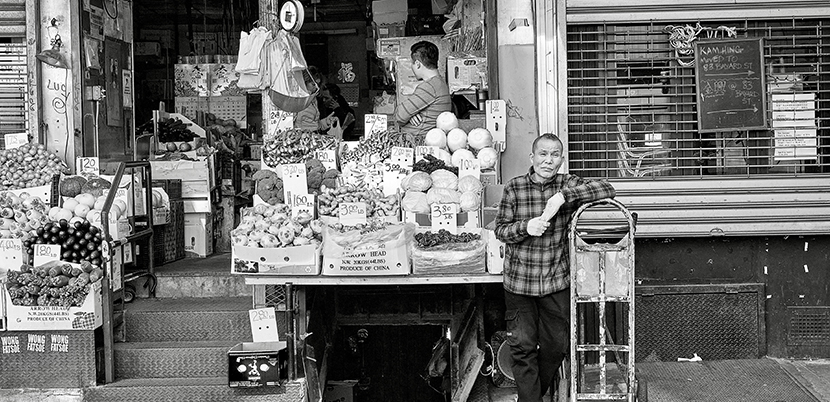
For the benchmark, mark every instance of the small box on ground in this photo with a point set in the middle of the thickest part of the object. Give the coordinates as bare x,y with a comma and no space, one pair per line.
339,391
198,235
495,254
257,364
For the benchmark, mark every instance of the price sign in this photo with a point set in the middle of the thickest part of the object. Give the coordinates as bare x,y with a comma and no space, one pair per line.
444,217
496,118
470,167
352,213
128,253
47,252
374,123
392,182
423,150
87,166
327,158
293,180
280,120
404,157
264,324
15,140
302,203
11,254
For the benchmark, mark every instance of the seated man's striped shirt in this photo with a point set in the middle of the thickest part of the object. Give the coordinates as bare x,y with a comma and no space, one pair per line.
431,97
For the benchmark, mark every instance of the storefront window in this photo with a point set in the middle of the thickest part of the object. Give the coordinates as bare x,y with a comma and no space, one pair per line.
632,103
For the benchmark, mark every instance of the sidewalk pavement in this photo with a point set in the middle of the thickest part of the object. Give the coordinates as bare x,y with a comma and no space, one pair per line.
813,375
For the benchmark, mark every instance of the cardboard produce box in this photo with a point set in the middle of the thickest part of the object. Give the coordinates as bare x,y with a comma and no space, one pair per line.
257,364
297,260
369,259
466,73
46,318
198,235
339,391
495,253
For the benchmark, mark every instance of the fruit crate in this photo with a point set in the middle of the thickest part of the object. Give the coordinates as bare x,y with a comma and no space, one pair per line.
173,187
168,240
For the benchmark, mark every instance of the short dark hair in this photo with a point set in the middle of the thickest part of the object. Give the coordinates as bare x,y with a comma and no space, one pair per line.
333,89
427,53
546,136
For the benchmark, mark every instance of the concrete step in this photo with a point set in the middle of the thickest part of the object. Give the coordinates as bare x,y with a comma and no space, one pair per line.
188,319
196,277
196,389
136,360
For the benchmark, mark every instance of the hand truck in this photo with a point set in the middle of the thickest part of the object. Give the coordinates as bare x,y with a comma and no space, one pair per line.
602,290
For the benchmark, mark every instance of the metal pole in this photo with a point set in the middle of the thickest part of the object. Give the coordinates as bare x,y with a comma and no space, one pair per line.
290,338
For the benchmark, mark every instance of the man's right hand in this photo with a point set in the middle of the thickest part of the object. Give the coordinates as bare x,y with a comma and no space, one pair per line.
537,226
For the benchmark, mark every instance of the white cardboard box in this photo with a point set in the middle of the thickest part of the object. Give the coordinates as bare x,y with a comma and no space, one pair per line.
339,391
369,259
46,318
198,235
495,253
298,260
466,73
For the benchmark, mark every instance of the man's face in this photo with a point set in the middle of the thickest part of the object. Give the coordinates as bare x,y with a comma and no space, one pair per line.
329,100
546,158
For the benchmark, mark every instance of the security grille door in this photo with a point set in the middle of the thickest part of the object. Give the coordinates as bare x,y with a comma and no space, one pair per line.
632,103
14,90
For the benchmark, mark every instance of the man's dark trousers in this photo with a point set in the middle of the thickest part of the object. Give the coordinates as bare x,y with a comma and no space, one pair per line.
538,334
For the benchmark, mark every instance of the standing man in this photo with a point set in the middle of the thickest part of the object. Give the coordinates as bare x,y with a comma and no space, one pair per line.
416,113
533,219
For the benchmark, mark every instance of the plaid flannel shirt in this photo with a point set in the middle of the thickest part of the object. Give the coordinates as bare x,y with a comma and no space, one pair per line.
538,266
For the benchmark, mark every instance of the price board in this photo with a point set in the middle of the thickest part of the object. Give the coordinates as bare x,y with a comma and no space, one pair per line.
302,203
352,213
46,253
374,123
470,167
423,150
11,254
496,119
293,180
444,216
279,120
15,140
403,157
87,166
327,158
264,324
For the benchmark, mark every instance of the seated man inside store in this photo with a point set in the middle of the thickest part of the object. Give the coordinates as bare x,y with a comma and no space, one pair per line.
416,113
336,108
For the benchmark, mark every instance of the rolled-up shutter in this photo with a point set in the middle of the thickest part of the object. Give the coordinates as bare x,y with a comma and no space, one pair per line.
656,10
13,67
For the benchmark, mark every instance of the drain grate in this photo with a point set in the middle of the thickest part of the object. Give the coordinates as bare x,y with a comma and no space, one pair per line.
809,326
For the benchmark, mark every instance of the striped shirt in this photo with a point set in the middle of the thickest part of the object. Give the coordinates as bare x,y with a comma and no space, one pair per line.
431,97
538,266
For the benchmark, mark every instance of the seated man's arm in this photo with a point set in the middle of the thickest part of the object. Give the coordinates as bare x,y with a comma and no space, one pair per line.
413,104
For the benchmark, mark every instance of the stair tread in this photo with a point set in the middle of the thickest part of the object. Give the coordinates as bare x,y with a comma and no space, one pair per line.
201,304
213,265
174,345
169,382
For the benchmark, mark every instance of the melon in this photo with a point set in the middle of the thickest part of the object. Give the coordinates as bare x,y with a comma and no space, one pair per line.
446,121
479,138
436,138
456,139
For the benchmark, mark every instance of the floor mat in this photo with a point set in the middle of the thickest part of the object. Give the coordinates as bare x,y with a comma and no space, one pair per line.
761,380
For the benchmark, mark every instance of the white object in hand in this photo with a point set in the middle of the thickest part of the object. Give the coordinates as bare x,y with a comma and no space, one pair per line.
537,226
552,207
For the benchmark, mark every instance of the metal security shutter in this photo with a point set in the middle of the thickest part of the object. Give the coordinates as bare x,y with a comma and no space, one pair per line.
14,90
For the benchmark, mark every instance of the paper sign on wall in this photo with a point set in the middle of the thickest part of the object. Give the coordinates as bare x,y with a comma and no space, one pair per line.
444,217
327,158
293,180
46,253
87,166
15,140
374,123
496,118
352,213
11,255
264,324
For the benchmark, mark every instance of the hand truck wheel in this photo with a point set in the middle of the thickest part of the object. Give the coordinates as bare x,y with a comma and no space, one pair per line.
129,293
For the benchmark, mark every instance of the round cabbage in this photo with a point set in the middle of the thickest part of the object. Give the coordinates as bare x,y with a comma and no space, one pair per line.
446,121
443,196
460,155
488,157
456,139
468,184
443,178
436,138
415,201
479,138
470,201
416,181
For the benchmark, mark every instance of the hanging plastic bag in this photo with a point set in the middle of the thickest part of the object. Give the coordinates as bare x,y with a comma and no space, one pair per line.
257,80
250,50
335,131
292,88
616,271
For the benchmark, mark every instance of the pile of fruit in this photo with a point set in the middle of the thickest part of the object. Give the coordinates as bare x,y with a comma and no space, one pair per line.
21,215
432,239
271,226
294,146
377,204
378,146
80,241
174,130
88,207
29,165
456,145
52,284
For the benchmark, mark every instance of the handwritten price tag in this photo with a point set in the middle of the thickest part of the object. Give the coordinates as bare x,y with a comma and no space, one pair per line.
47,252
302,203
293,180
11,254
87,166
392,182
264,324
444,217
280,120
327,158
374,123
470,167
424,150
15,140
403,156
352,213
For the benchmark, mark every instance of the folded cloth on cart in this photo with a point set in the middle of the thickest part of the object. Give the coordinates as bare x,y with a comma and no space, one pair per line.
616,271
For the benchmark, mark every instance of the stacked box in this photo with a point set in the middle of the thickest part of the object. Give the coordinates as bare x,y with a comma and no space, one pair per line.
173,187
168,240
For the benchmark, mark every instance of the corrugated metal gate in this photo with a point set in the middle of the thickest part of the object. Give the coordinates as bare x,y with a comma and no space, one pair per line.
632,102
14,90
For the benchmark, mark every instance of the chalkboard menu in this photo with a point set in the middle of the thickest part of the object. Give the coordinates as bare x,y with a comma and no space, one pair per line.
730,85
